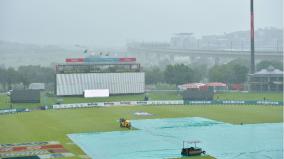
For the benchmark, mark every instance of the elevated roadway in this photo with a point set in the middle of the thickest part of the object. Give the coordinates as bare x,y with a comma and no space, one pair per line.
260,55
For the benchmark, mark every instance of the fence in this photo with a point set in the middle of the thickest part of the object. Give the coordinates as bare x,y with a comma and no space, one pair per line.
121,103
158,102
165,102
245,102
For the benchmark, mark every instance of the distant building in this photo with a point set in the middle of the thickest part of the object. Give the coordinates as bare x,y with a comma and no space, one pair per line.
213,86
183,41
266,39
37,86
266,80
217,86
191,86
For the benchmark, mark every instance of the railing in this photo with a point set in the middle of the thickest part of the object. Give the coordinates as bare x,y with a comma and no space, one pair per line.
156,102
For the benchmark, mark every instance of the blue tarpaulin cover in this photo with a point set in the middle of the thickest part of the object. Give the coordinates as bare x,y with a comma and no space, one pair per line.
163,138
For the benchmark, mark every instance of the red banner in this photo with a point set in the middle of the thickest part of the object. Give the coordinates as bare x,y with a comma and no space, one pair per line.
25,148
124,59
127,59
74,60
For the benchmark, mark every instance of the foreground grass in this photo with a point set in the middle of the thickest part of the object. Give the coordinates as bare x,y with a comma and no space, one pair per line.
53,125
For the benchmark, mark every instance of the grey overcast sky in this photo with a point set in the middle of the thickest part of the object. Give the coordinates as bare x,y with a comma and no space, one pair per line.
109,23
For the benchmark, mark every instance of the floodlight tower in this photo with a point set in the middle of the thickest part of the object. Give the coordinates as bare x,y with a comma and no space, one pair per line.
252,65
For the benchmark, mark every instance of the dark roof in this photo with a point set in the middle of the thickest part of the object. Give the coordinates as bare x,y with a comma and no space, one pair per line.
270,71
264,71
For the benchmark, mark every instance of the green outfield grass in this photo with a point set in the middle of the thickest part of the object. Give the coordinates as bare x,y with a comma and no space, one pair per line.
45,100
53,125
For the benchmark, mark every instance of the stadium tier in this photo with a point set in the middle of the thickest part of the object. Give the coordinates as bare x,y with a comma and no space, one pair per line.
119,75
117,83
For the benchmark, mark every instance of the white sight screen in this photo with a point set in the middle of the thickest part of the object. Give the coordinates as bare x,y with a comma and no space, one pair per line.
96,93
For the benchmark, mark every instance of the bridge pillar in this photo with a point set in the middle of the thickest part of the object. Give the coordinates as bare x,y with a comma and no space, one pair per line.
172,59
216,61
158,57
142,58
192,59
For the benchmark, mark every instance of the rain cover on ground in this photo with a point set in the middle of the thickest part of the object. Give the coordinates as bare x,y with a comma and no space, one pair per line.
162,138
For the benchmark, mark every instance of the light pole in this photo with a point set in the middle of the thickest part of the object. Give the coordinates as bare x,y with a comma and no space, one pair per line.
198,44
252,65
277,45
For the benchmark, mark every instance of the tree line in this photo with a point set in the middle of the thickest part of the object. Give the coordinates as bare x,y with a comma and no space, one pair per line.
233,72
25,75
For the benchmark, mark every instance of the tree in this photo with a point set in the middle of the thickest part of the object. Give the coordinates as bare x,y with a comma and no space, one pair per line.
3,77
12,77
154,75
239,75
35,74
216,74
265,64
200,71
241,61
228,73
26,75
178,74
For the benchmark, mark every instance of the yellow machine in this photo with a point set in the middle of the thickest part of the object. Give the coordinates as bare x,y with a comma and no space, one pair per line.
124,123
